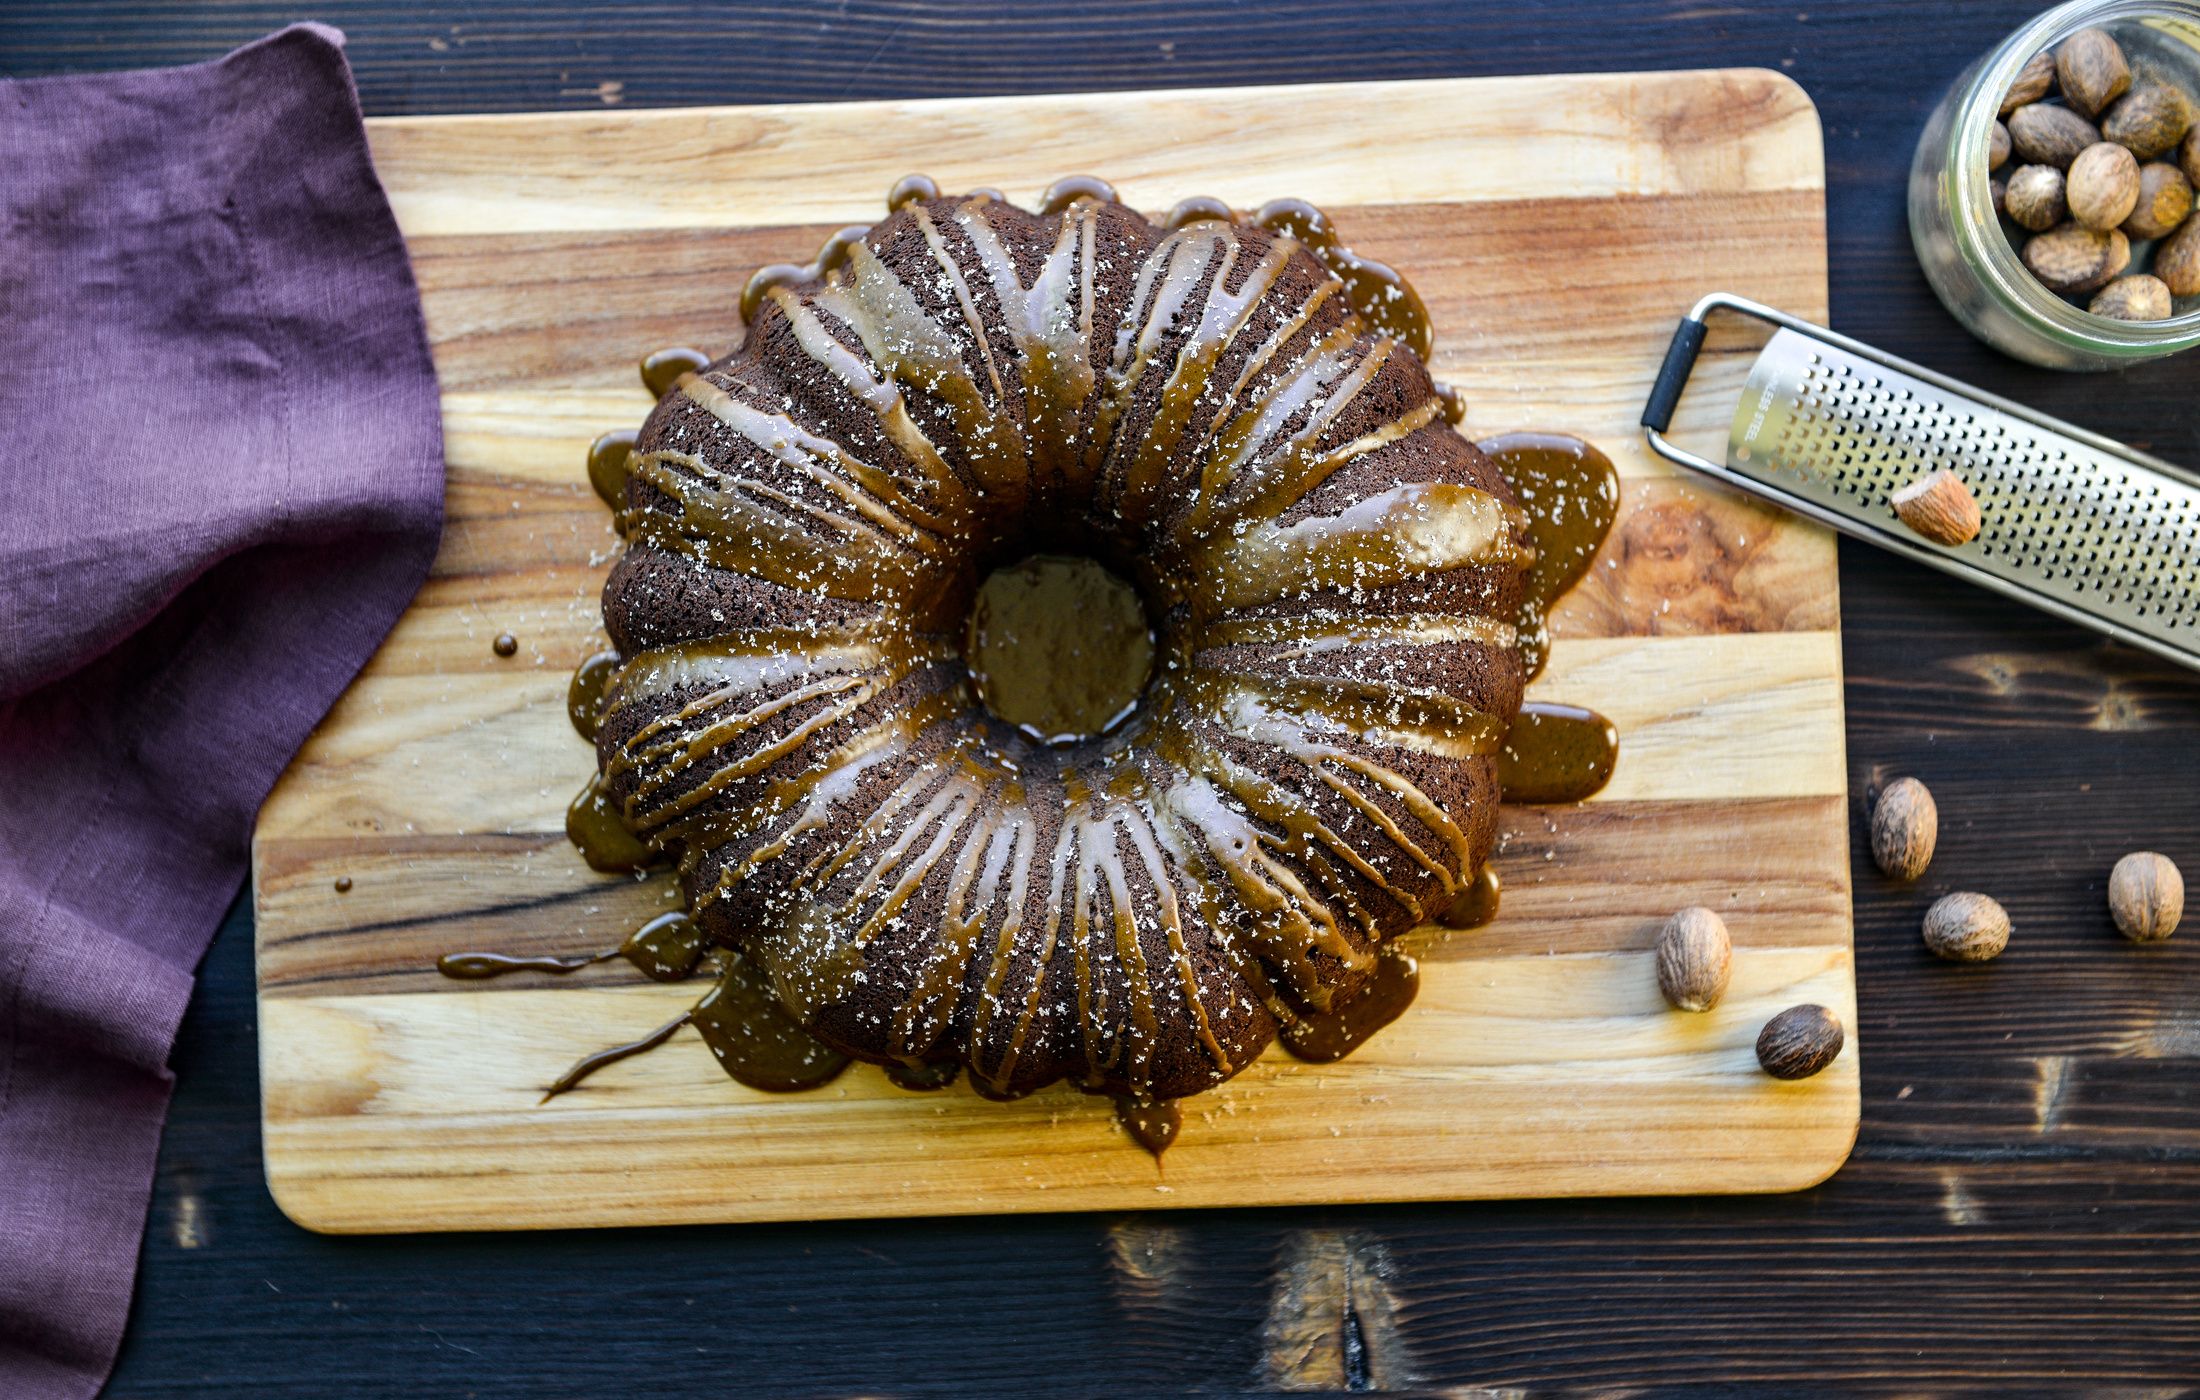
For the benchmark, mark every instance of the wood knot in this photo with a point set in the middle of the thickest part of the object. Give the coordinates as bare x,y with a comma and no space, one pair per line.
1333,1316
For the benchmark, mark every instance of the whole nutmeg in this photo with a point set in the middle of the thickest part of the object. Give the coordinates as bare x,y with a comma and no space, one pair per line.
1905,829
2165,198
2188,156
1997,147
2177,260
2034,81
2046,135
2034,198
1966,927
1939,507
2102,187
2074,258
2149,120
2134,298
2091,70
1799,1042
2146,896
1997,193
1695,959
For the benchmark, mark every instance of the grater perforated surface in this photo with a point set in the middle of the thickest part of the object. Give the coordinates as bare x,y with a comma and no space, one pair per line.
2105,532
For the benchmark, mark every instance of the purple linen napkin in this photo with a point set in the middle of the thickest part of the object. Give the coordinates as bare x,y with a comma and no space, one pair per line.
223,480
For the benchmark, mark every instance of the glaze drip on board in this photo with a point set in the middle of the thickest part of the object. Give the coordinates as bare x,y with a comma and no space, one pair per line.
753,1038
1152,1124
585,695
1571,493
1142,911
740,1018
661,369
608,456
1556,753
922,1078
594,826
1338,1032
611,1055
1477,904
666,949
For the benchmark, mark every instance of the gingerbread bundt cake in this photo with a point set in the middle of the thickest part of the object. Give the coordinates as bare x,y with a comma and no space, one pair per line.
1328,573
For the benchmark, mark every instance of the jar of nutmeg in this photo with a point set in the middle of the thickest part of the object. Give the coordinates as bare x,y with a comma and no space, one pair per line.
2052,197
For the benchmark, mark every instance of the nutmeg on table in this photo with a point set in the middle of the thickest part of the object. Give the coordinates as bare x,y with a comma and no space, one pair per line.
2146,896
1967,927
1695,959
1905,828
1800,1042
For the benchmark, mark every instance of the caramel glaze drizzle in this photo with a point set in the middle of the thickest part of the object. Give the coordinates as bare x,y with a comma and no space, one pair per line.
611,1055
1571,493
1378,291
1556,753
1385,997
585,695
666,949
1552,753
1476,906
661,369
740,1018
1152,1123
607,459
1230,859
922,1078
746,1030
752,1036
594,826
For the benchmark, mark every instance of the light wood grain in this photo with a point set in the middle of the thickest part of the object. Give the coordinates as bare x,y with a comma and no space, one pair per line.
1601,136
1556,228
400,1106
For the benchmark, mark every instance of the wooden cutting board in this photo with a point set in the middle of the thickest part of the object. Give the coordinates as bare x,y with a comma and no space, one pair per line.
1555,226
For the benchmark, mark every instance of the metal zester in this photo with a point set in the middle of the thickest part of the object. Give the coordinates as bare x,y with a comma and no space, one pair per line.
2073,523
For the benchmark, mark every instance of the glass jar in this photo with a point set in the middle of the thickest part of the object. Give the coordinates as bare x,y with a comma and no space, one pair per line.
1970,260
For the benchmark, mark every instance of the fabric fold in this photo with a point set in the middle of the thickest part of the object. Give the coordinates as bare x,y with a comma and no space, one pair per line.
225,482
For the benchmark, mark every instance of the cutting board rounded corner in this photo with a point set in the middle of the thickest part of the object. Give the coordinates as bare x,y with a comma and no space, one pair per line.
305,1212
1786,85
1804,1172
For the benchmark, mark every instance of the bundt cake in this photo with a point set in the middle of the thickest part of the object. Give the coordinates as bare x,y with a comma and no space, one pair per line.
1226,413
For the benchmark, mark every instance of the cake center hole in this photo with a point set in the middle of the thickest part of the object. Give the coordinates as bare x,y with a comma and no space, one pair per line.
1059,646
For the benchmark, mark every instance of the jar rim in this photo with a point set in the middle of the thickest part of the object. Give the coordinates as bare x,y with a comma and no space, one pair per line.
1978,229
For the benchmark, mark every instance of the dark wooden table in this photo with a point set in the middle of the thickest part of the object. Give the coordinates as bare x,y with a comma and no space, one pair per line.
2022,1213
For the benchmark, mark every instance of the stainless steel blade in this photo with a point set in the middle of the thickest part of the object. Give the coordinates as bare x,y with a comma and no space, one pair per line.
2073,523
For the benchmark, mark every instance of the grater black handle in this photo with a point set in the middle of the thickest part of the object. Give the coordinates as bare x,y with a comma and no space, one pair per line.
1680,362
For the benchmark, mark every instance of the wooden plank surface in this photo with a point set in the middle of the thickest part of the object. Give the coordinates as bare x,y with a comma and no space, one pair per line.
2016,1216
1539,1059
